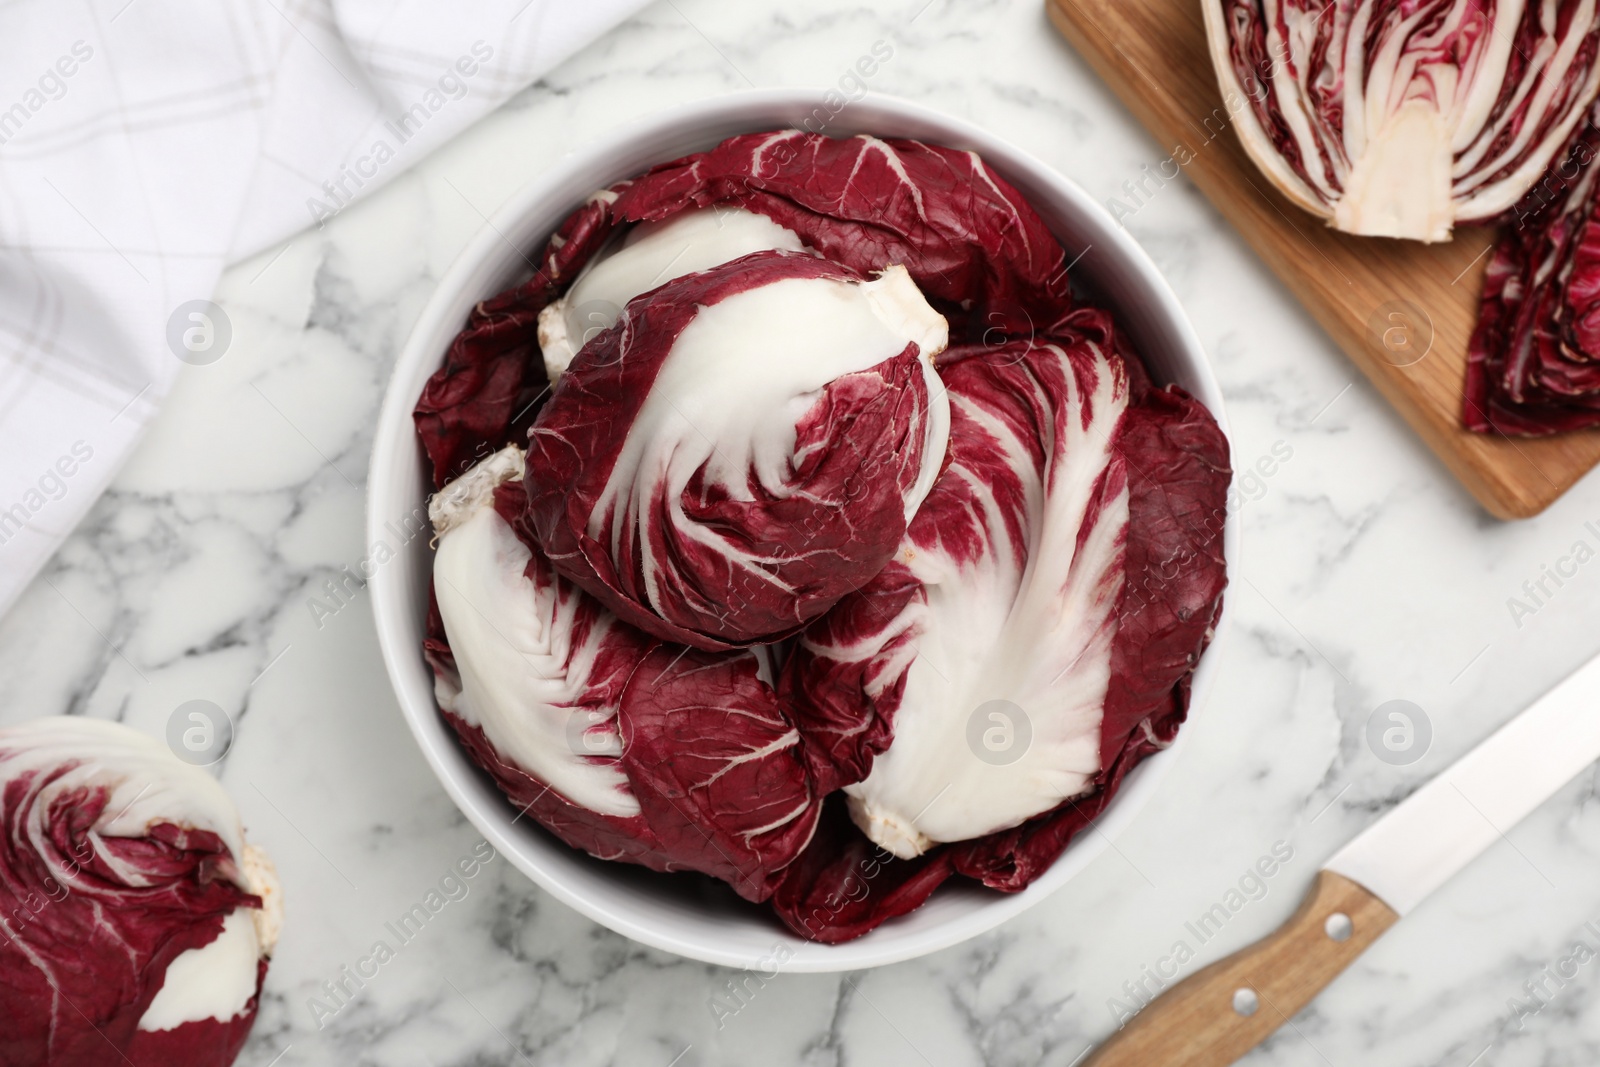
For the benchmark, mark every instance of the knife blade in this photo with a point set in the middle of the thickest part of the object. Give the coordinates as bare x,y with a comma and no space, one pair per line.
1218,1014
1443,826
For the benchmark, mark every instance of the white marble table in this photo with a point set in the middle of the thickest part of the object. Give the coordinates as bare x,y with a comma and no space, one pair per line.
1367,575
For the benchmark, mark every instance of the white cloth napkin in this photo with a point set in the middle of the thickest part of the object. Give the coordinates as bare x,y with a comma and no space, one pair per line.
145,144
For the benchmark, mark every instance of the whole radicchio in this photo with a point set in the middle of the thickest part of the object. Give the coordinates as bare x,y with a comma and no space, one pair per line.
1404,118
1030,643
135,923
622,745
1533,364
742,448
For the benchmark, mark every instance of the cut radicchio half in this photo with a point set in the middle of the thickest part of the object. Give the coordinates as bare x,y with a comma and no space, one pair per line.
1404,118
1033,638
135,923
742,448
622,745
1533,365
839,389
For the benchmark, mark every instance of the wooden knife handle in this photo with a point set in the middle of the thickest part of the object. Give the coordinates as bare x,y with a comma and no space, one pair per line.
1195,1023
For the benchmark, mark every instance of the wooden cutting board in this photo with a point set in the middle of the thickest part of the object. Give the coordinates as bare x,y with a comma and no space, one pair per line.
1402,311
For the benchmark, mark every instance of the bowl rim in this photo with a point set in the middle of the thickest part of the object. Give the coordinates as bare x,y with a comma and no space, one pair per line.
394,431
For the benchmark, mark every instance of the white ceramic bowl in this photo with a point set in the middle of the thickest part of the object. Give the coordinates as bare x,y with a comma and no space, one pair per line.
675,913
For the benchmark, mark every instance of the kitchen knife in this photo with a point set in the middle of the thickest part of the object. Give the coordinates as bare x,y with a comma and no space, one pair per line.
1220,1013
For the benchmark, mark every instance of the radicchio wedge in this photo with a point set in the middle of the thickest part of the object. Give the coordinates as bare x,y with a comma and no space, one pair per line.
135,923
622,745
1031,643
1533,365
742,448
1404,118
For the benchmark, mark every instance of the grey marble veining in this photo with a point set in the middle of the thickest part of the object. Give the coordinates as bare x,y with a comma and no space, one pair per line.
1367,575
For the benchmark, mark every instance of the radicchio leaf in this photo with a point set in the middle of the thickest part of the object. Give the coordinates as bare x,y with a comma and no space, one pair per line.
843,886
1178,475
978,250
486,394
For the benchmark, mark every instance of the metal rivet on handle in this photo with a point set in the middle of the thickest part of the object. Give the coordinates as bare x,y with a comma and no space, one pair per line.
1339,927
1245,1001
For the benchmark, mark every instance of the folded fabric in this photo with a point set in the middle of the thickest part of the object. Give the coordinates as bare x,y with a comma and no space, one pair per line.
144,145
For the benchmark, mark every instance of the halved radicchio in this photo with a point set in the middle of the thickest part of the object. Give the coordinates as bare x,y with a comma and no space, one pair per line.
749,436
1533,365
1404,118
135,923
